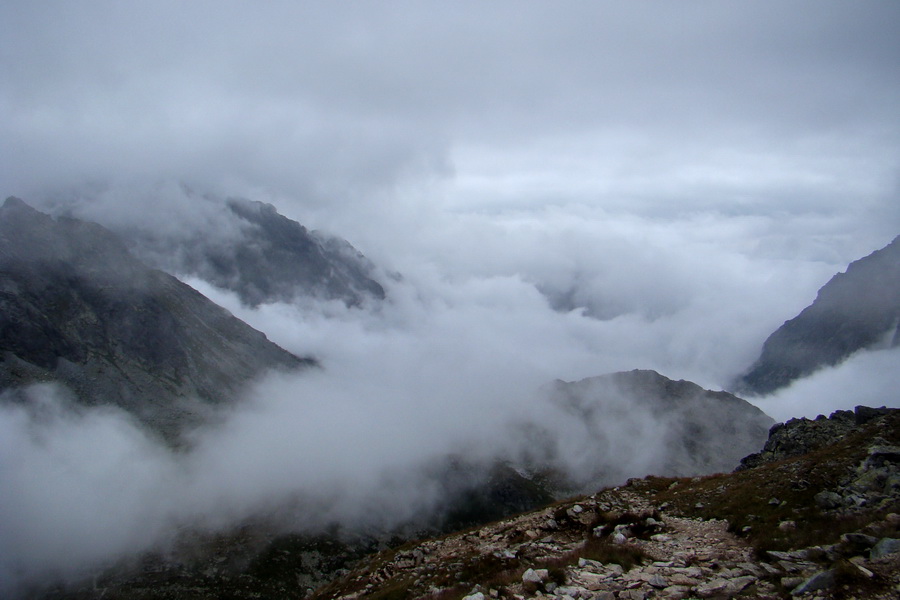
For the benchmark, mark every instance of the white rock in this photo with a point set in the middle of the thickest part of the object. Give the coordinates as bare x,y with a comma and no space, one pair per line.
535,575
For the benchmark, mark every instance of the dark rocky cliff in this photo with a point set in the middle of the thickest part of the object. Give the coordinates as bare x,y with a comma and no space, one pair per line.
254,251
855,310
77,308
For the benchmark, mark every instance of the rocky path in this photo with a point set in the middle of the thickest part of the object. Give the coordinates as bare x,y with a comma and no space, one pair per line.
690,558
682,557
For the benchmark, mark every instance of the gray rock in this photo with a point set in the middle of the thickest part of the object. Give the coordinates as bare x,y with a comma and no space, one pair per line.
881,455
535,576
828,500
820,581
790,583
857,543
884,547
738,584
714,587
593,565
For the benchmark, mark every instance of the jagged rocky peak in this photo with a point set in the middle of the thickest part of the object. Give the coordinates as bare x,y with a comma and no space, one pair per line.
279,259
244,246
661,426
855,310
78,309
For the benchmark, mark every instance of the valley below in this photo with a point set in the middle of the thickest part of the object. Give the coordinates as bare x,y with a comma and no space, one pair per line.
159,446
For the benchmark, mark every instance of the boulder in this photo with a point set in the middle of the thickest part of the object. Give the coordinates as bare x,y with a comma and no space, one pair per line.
884,547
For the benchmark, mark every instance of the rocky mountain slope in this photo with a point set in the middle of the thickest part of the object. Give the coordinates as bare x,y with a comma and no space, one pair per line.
639,422
247,247
822,524
78,309
857,309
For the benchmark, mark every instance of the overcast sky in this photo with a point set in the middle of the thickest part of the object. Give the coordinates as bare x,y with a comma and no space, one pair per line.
659,109
688,172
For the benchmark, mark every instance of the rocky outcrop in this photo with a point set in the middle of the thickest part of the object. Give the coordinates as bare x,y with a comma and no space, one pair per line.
855,310
78,309
800,436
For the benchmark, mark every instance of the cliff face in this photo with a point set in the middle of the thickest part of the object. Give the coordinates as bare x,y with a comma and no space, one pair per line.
77,308
855,310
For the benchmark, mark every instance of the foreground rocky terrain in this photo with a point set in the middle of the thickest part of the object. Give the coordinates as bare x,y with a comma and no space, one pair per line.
821,524
817,515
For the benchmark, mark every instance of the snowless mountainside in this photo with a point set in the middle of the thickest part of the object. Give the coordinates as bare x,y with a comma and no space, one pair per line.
77,308
652,424
857,309
246,247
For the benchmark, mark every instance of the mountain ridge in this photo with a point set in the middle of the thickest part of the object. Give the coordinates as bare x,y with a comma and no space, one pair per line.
244,246
857,309
693,430
80,310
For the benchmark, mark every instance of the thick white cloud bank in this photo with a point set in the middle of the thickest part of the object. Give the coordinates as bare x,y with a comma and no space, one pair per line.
683,179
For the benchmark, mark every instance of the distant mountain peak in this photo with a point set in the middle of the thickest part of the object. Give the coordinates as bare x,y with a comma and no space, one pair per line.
248,247
855,310
679,427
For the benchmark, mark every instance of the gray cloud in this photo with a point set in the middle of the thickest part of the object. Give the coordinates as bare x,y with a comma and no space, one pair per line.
334,104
